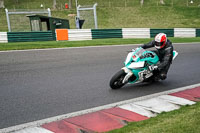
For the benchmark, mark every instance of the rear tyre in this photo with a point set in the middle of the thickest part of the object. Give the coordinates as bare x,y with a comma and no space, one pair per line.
117,79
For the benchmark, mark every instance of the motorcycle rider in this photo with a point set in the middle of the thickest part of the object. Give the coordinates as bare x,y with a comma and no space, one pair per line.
165,53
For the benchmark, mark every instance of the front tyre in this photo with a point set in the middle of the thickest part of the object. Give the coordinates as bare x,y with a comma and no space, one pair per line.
117,79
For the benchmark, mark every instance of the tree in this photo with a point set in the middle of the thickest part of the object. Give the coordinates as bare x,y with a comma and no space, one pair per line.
162,2
141,2
2,4
70,4
54,4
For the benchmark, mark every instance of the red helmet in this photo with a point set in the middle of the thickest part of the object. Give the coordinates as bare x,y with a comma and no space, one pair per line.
160,40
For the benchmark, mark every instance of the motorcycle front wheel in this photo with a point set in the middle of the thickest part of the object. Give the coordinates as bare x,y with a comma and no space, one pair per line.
117,79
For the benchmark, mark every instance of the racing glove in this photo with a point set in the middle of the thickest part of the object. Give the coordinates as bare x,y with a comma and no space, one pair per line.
133,50
151,68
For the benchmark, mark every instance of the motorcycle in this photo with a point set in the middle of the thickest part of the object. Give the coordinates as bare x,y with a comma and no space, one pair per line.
136,68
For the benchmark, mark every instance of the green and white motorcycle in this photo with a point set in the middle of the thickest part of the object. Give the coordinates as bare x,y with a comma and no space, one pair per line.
136,68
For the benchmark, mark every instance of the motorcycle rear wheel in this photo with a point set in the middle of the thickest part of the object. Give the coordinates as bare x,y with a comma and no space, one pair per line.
117,79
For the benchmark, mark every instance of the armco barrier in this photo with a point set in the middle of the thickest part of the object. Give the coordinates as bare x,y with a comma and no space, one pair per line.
3,37
89,34
168,32
30,36
197,32
136,32
106,33
83,34
184,32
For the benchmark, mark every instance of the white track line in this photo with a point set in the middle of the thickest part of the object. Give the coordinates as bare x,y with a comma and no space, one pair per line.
60,117
102,46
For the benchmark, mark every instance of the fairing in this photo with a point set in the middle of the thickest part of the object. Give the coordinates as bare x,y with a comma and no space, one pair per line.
136,62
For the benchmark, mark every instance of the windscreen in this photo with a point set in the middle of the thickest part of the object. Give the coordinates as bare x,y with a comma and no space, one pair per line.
140,52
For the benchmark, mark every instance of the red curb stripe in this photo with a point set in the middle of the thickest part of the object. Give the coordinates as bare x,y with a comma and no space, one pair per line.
101,121
191,94
97,121
63,127
125,114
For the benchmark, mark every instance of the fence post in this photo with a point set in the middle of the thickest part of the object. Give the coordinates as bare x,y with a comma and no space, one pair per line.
8,20
95,16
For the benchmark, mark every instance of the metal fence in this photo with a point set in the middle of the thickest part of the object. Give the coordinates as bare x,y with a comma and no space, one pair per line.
18,21
89,15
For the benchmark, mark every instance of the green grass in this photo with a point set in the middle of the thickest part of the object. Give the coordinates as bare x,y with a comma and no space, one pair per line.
96,42
121,14
184,120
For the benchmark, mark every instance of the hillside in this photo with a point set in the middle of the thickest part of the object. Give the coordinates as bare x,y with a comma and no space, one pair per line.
120,14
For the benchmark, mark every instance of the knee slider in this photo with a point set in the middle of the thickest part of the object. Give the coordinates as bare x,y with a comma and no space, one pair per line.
163,76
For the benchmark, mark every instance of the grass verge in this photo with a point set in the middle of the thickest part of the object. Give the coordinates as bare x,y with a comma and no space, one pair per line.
96,42
184,120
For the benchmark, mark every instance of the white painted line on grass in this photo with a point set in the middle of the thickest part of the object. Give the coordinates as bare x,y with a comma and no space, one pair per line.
57,118
68,48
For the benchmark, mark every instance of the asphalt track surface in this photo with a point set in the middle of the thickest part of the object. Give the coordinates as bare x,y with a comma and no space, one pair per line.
38,84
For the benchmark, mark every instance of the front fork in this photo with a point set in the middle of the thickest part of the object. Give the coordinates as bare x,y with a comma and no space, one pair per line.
128,75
